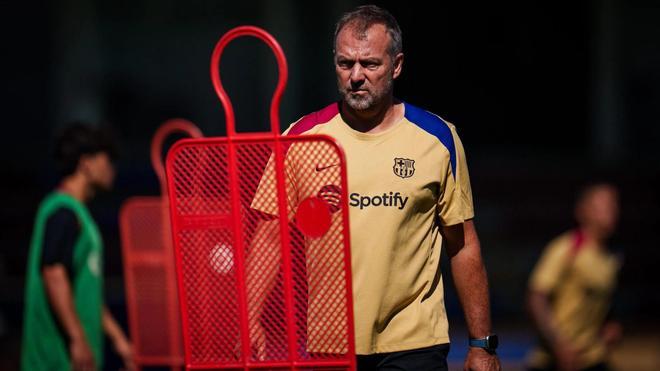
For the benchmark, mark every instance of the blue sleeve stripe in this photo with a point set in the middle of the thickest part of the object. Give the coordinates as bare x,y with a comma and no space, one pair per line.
435,126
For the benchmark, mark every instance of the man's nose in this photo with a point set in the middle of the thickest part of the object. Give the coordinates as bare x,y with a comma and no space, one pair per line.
357,74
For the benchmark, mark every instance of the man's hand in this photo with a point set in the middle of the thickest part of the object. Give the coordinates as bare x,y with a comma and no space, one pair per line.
258,341
125,350
82,358
480,360
119,340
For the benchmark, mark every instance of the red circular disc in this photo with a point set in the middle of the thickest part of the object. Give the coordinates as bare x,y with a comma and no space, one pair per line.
313,217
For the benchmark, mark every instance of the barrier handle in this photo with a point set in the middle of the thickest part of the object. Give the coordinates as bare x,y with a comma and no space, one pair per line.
217,82
168,128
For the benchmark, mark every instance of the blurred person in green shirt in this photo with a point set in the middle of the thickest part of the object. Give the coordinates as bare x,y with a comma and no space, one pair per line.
65,315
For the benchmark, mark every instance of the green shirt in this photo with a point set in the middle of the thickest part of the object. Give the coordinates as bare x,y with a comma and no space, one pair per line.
44,345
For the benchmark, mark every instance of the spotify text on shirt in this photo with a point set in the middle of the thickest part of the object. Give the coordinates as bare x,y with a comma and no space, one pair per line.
391,199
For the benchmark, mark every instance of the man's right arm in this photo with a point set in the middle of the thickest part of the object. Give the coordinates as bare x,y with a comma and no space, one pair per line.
538,303
539,307
262,263
262,266
263,257
544,279
61,232
58,290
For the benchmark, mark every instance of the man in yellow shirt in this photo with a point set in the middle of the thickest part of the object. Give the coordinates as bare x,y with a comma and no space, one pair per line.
571,287
409,190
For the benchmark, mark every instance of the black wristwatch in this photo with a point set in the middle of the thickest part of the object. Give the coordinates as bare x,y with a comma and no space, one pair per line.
489,343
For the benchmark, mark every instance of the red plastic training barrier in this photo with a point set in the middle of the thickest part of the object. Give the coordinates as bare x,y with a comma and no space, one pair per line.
149,274
260,231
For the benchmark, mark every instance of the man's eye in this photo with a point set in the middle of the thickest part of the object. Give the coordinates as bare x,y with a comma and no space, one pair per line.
344,64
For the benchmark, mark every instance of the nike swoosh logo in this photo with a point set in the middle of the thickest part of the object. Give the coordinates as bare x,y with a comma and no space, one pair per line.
321,168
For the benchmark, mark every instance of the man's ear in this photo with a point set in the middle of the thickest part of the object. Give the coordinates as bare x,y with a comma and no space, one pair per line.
83,164
398,66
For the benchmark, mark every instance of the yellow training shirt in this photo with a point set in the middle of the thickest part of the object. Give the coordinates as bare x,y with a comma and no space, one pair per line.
579,277
403,184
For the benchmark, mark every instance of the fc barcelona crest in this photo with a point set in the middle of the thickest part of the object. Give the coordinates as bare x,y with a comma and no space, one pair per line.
404,167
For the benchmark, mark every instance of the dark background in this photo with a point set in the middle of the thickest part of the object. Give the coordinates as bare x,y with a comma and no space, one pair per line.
546,96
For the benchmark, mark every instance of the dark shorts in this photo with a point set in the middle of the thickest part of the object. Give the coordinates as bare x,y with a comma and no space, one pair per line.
433,358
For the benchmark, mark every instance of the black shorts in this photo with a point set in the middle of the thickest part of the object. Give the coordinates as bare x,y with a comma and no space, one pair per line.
433,358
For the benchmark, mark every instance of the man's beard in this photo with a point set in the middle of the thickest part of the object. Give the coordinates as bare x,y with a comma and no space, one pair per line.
367,101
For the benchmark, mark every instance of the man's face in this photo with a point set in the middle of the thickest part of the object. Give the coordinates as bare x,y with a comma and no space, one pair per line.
99,170
600,209
365,69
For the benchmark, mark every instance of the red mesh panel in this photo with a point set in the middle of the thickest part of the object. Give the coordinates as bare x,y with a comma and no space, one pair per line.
151,290
150,282
262,252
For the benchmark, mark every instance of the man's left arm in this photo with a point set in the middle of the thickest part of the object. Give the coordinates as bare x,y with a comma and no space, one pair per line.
119,340
471,283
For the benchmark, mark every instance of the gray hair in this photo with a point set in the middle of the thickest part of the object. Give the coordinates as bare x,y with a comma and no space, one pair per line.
365,16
